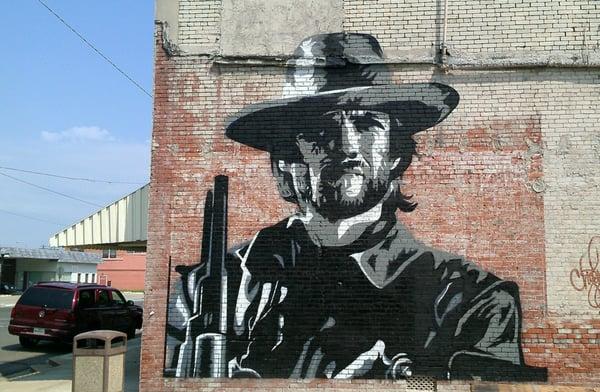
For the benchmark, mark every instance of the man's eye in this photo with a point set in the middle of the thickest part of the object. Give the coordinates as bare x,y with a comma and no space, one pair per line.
365,123
312,136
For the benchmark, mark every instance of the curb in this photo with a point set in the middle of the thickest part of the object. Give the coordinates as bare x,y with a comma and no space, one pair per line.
21,374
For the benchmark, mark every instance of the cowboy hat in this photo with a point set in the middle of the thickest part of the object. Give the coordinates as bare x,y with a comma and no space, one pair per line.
338,71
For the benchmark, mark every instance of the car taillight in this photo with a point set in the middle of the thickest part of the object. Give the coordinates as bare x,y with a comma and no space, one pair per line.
13,312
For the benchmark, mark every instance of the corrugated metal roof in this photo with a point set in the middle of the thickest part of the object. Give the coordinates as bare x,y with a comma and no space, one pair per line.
61,255
124,221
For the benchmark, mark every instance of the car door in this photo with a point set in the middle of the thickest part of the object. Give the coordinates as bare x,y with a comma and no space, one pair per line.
87,315
104,309
122,316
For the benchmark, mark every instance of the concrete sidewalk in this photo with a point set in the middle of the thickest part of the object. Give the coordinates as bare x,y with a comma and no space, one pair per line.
56,376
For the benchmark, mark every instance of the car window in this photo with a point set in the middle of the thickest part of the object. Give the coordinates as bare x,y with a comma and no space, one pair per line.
103,298
118,298
86,299
48,297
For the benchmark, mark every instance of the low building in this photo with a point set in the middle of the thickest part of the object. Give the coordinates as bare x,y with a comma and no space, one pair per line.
123,269
118,234
21,267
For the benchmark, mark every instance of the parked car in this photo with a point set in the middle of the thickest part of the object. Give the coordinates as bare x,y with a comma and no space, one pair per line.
58,311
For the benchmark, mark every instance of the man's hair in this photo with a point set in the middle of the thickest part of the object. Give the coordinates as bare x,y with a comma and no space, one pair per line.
402,146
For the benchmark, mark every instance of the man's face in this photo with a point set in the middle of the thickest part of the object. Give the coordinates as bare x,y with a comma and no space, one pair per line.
348,163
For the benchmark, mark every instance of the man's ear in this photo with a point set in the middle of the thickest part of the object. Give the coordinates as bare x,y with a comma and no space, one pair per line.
282,171
396,163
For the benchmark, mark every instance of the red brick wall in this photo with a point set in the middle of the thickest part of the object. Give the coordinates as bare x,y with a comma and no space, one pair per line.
125,272
473,178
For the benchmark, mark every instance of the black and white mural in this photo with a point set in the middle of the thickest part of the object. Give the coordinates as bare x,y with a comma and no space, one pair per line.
340,289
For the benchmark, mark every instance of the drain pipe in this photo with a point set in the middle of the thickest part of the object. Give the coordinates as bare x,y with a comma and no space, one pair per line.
443,47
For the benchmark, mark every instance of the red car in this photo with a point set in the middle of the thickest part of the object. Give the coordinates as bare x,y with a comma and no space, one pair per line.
60,310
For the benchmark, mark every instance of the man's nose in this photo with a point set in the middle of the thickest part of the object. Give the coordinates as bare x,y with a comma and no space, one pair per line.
350,138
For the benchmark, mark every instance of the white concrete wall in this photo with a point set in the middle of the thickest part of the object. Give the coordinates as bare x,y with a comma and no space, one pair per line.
73,269
49,270
483,32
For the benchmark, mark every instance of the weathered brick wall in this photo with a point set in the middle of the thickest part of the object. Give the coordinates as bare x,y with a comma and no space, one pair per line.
200,23
485,31
509,180
479,26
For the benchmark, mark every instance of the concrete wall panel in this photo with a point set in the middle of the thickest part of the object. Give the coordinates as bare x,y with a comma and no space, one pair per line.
272,27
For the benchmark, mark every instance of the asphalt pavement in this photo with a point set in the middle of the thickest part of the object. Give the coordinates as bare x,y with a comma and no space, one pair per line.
13,357
57,374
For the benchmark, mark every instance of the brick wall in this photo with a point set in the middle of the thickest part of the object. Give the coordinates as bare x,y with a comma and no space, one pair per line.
509,180
125,272
199,23
479,26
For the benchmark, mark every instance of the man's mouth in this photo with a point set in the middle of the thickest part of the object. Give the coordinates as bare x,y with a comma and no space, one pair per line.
348,173
357,171
352,167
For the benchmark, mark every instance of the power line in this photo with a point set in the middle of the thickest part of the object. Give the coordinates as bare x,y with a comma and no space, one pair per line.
30,217
50,190
88,43
70,178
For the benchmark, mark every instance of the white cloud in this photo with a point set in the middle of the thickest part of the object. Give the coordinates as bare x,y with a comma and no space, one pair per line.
79,134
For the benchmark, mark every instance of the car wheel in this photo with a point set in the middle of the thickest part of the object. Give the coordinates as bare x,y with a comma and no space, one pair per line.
28,342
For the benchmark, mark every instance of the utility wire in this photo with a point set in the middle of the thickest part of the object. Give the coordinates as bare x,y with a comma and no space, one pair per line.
88,43
70,178
30,217
50,190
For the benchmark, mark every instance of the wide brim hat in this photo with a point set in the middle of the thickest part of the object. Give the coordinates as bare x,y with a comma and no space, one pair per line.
339,71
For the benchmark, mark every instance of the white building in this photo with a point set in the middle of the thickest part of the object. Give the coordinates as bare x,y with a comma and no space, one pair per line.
21,267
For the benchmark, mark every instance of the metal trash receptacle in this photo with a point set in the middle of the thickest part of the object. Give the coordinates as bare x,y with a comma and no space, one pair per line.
99,361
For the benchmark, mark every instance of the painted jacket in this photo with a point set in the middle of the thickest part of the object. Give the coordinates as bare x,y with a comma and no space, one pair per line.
384,307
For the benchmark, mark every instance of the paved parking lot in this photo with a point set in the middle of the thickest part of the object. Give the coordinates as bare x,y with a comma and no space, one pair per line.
15,359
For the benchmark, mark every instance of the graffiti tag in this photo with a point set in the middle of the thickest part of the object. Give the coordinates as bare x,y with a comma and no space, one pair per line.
588,279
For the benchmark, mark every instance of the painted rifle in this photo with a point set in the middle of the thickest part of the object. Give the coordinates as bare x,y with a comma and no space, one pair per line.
203,352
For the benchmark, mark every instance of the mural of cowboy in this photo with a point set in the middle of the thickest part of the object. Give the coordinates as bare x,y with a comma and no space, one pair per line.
341,289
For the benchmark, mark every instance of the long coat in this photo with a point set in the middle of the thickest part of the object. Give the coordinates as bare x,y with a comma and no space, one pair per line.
384,307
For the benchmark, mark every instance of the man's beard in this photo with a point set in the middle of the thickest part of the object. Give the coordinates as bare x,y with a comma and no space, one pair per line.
342,194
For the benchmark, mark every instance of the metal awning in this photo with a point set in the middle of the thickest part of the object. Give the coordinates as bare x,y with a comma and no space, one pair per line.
60,255
123,223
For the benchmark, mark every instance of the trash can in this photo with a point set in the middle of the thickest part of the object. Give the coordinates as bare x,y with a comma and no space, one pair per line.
99,361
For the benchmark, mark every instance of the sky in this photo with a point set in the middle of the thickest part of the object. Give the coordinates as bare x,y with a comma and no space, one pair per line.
66,111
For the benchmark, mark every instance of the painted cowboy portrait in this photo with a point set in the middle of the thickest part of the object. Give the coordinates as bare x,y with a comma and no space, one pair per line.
341,289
